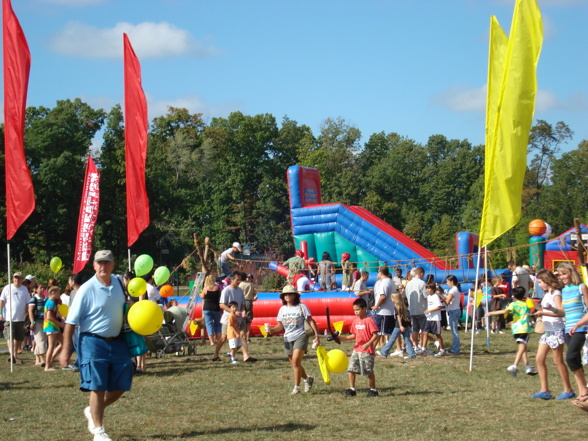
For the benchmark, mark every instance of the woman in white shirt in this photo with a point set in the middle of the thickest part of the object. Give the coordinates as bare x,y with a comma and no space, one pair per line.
553,338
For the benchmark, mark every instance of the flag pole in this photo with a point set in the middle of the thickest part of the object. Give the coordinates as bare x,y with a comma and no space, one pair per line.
474,309
488,319
129,254
9,310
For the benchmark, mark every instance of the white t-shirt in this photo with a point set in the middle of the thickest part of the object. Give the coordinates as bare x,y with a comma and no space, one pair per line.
223,257
552,323
522,277
433,301
454,304
20,301
417,296
292,318
303,284
386,287
359,286
230,294
65,299
153,293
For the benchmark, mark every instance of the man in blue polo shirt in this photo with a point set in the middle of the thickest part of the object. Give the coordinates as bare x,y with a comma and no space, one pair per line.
105,364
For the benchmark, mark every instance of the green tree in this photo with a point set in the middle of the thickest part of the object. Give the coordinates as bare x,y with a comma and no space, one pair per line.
57,143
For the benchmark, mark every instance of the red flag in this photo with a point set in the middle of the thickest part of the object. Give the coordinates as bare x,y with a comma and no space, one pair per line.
136,145
20,196
88,215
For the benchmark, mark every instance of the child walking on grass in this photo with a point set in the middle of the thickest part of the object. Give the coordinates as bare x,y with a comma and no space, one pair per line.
365,333
52,327
433,314
233,332
521,329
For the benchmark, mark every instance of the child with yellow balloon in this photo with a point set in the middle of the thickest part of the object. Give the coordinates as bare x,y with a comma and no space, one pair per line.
365,333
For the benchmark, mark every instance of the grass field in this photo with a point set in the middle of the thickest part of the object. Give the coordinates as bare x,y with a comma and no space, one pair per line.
193,398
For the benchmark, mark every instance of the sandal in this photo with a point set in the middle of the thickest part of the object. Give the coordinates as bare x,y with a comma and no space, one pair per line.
581,402
216,359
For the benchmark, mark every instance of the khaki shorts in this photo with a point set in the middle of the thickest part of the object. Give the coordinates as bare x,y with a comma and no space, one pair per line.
18,330
300,343
40,339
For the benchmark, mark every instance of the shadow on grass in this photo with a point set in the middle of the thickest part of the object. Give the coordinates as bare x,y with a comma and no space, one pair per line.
289,427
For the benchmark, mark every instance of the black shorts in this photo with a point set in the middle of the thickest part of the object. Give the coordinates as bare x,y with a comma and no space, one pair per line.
385,324
521,338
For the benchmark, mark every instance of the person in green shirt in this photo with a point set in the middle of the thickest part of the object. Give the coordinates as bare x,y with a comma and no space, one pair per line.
521,329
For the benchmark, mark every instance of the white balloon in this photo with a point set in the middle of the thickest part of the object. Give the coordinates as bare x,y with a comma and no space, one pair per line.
547,231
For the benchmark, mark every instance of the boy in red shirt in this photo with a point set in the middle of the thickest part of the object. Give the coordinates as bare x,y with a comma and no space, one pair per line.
365,332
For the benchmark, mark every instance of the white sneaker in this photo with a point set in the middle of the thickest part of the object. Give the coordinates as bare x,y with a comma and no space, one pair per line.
513,370
418,351
379,353
427,351
88,415
295,391
441,353
500,332
308,383
102,436
396,354
530,371
234,361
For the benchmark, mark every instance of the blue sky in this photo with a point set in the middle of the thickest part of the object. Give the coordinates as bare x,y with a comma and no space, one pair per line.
415,67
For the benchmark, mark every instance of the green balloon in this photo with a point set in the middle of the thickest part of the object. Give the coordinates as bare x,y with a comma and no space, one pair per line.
55,264
143,265
161,275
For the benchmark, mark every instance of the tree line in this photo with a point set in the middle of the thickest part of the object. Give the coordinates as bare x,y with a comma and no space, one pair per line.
226,179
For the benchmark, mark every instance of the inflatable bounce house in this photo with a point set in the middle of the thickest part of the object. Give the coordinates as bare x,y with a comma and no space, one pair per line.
370,242
337,228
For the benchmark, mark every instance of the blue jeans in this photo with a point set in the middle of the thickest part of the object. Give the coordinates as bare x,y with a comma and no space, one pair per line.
394,336
212,320
453,317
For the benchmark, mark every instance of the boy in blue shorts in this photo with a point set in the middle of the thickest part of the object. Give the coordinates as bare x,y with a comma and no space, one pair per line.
365,333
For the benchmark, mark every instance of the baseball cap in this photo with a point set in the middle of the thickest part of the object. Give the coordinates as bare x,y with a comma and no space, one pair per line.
104,256
238,246
17,275
30,277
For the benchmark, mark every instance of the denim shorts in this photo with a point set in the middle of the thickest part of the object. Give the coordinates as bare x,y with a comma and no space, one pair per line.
213,323
104,365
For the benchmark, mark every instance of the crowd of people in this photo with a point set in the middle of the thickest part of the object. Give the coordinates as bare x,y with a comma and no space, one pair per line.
410,312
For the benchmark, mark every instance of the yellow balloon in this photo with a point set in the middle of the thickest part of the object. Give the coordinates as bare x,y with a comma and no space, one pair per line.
63,310
145,317
530,304
337,361
137,287
55,264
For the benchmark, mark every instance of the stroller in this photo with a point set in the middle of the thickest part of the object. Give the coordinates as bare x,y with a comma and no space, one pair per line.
171,336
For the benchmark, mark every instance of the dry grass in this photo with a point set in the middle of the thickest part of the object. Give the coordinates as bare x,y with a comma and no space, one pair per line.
192,398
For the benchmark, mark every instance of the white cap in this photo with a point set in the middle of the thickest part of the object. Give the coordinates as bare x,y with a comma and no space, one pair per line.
238,246
30,277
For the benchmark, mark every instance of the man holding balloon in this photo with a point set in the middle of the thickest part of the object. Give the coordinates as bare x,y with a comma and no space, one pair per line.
105,364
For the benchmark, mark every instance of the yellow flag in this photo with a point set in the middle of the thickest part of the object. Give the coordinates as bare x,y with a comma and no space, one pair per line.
512,86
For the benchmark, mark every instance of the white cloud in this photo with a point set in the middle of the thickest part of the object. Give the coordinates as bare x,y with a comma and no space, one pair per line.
149,40
547,100
462,98
195,104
